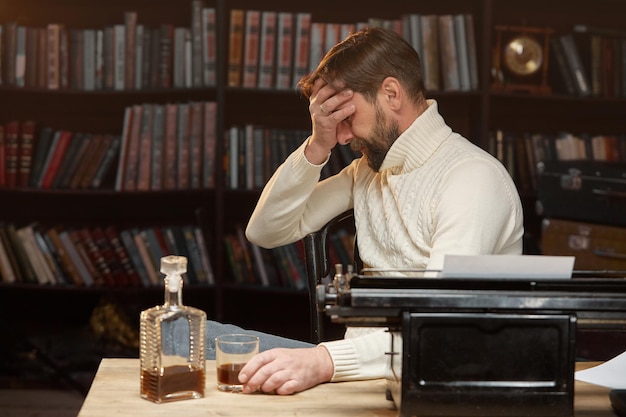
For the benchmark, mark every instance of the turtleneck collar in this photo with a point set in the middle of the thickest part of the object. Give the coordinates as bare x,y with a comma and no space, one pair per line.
416,144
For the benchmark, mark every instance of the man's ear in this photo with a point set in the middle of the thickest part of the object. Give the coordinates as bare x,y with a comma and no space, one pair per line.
392,92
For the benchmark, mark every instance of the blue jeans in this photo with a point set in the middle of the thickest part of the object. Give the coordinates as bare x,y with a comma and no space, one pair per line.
266,340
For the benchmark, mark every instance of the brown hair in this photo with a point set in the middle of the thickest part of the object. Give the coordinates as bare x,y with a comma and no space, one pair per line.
364,59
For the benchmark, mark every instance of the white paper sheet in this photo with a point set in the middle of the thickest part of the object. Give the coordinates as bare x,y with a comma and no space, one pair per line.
611,374
507,266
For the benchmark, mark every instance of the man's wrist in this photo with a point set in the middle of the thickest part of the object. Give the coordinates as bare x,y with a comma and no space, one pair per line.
315,154
327,368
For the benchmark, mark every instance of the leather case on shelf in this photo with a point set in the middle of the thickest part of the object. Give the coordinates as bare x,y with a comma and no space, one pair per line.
583,190
595,246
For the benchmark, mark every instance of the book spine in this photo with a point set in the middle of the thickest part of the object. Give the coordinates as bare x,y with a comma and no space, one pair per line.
13,265
25,157
11,152
209,145
71,160
99,60
146,259
96,257
195,145
129,158
49,255
284,51
144,150
267,50
259,263
166,54
109,239
128,241
99,155
108,57
204,255
41,78
6,268
235,47
460,34
89,59
27,271
575,65
52,235
146,57
56,158
34,255
119,57
180,38
10,52
470,36
251,48
183,136
87,160
169,172
448,54
104,240
41,149
196,43
302,47
566,77
78,254
318,31
130,48
20,56
154,249
108,162
156,148
332,35
430,46
53,53
139,52
209,53
195,260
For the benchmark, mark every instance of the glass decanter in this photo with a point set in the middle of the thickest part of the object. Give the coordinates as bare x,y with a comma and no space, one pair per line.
172,342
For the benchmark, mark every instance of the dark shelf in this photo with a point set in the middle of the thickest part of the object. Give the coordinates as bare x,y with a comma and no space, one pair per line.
218,211
86,111
554,113
106,206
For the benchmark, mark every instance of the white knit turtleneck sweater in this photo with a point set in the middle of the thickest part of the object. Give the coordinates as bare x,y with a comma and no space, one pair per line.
436,194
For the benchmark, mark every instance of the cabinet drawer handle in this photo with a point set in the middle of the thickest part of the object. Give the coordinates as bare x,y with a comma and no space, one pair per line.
608,193
609,253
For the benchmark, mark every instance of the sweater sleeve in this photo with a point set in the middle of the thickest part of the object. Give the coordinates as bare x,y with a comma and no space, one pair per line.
478,211
362,357
295,202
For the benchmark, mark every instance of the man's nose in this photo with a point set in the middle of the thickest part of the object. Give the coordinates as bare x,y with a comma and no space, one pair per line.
344,134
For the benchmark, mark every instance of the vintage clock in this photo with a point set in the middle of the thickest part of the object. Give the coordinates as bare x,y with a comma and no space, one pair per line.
520,59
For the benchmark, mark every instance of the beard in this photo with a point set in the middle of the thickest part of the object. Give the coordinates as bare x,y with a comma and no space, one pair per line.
376,145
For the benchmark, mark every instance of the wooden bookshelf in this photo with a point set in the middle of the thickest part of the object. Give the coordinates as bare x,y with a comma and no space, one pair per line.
476,113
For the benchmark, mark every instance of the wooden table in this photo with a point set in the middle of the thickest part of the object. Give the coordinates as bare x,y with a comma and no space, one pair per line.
115,392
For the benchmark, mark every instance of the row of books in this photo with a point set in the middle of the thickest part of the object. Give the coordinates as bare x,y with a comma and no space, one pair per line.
124,56
42,157
269,49
168,147
591,61
99,256
162,147
520,152
253,152
283,266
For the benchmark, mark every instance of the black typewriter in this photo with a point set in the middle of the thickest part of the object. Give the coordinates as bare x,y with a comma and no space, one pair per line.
481,347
